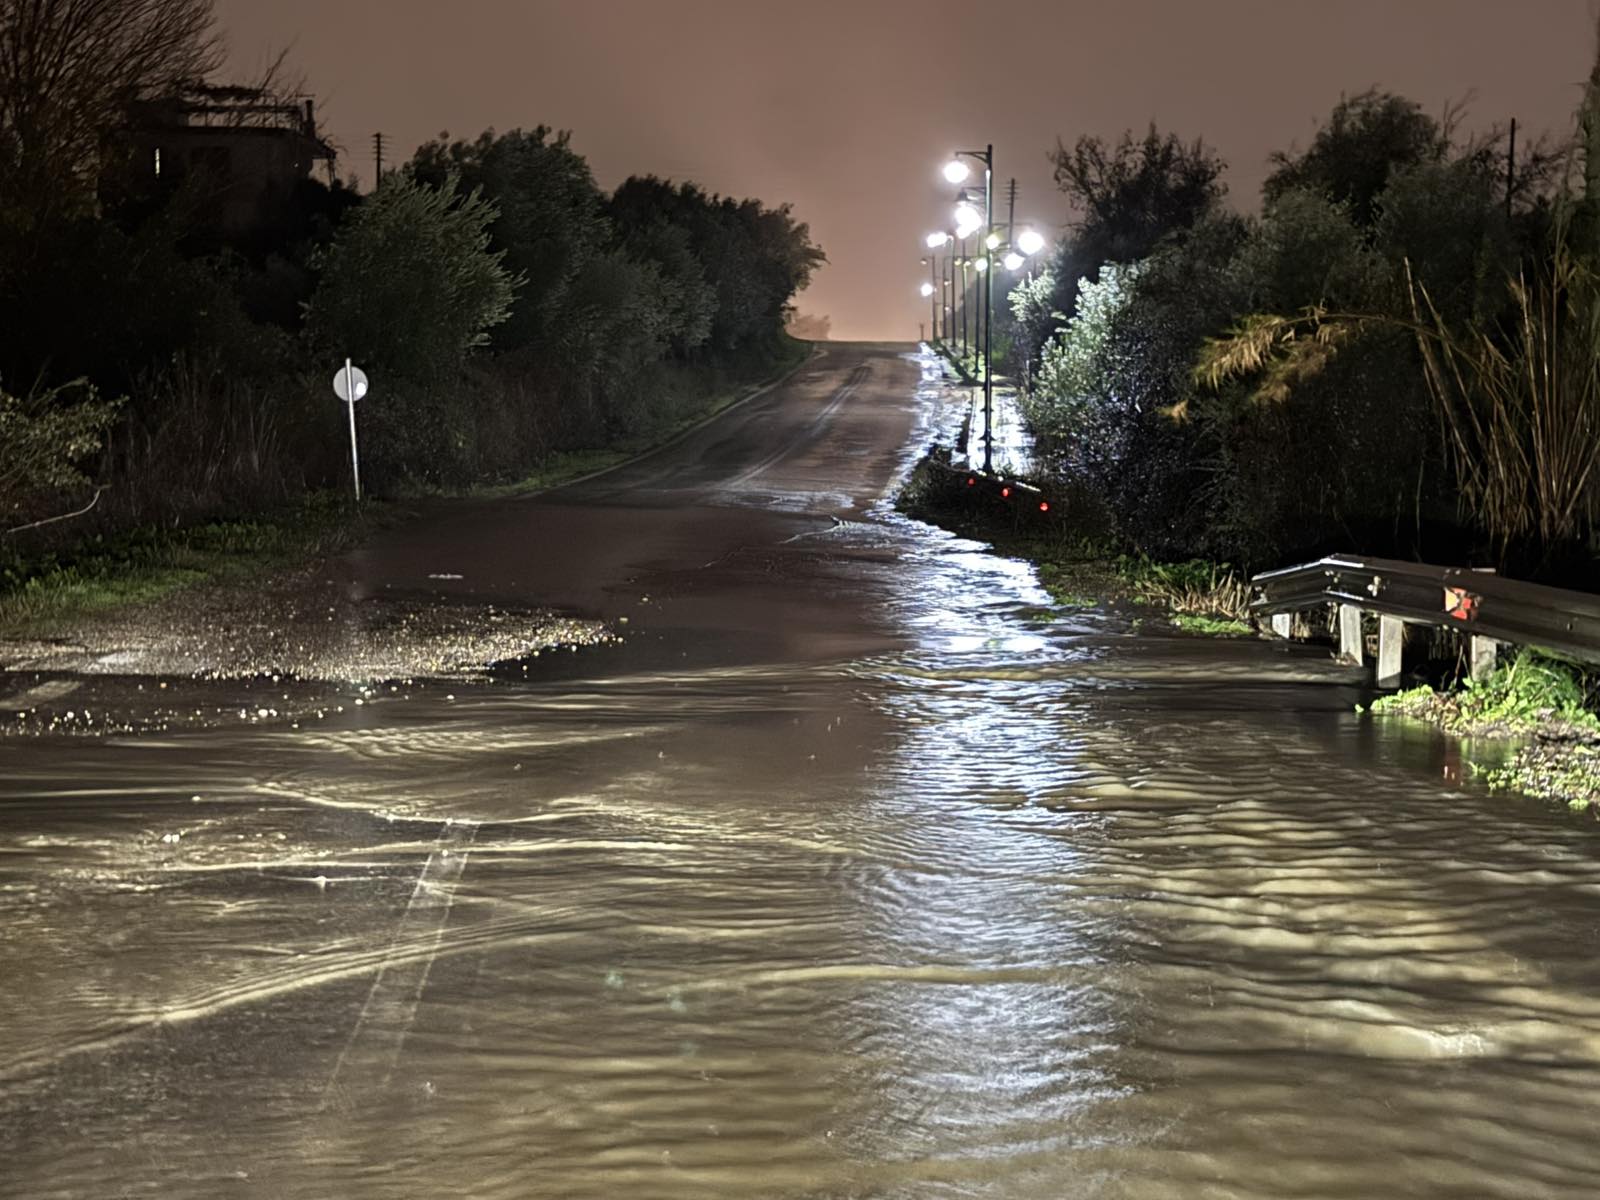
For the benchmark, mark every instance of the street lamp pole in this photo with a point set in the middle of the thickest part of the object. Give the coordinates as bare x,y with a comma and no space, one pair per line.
956,171
963,300
988,310
933,278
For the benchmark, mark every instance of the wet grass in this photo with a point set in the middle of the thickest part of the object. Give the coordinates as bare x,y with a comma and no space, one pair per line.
106,572
1074,548
1544,703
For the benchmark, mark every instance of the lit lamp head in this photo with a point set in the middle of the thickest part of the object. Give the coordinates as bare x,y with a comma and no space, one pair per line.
1013,261
981,263
935,240
968,220
927,290
992,241
1030,241
956,171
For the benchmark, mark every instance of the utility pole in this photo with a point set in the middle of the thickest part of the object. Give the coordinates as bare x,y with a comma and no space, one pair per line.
1511,167
377,157
1011,213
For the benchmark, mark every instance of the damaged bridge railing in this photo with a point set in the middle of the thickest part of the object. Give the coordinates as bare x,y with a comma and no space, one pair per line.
1486,608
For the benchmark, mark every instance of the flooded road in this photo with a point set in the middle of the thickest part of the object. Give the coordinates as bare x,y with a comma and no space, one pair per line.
847,872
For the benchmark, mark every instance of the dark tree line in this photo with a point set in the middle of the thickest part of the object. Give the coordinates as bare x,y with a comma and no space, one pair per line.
1259,389
506,307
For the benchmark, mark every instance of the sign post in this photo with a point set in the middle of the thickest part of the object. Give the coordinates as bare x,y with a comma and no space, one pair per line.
350,385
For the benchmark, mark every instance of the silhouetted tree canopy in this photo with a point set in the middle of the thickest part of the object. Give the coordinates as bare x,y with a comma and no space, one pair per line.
551,216
1131,195
1367,137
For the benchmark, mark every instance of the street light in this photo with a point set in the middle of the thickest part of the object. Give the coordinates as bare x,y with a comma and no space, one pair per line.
935,240
927,290
1013,261
956,171
1030,242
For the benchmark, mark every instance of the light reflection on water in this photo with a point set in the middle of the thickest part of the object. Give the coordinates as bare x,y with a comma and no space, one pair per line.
1013,911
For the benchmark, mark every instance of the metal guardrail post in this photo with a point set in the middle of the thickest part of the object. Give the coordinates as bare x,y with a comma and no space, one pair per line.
1485,652
1352,647
1391,639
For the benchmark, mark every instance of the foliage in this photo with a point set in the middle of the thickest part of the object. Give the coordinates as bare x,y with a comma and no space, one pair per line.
1350,161
1073,387
1523,410
1520,406
1212,626
1516,698
754,258
68,71
1135,193
1196,587
410,284
1129,198
43,440
548,217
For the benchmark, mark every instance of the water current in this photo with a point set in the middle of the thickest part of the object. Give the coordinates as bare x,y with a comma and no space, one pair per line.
1000,902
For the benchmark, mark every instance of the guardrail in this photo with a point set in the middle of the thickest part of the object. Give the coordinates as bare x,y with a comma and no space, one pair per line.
1485,607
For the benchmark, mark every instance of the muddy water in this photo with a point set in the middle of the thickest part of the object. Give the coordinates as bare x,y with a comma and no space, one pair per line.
921,895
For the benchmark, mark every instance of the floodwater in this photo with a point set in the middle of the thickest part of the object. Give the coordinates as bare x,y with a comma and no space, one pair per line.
847,873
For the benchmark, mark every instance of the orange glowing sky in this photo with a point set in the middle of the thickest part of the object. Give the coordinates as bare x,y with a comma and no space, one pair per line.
847,109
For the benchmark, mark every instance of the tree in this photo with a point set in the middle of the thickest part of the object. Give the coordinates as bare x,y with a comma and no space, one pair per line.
1129,199
549,216
409,283
755,258
68,69
1367,137
1132,195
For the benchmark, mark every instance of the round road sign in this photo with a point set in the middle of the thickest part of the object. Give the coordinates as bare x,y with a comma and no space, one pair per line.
357,380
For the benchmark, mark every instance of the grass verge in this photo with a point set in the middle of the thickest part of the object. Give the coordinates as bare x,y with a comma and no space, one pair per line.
1071,545
104,573
1543,704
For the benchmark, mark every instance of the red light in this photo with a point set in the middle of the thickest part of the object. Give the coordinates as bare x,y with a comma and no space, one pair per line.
1044,506
971,480
1005,493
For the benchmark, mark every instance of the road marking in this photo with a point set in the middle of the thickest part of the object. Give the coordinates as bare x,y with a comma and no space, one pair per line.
44,693
369,1056
847,392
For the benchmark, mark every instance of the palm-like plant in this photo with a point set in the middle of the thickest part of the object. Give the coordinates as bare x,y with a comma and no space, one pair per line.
1518,399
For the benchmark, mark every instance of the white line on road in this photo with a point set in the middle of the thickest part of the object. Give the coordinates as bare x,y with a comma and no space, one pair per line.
44,693
368,1058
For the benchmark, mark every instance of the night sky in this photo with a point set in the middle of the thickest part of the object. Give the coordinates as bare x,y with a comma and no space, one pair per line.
847,109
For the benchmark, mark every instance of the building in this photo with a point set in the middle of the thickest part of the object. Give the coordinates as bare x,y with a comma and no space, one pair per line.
241,156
